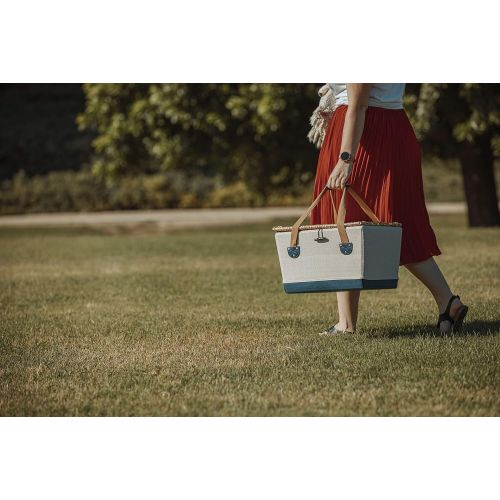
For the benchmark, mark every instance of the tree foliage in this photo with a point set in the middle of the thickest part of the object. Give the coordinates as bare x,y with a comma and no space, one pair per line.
445,115
463,121
255,133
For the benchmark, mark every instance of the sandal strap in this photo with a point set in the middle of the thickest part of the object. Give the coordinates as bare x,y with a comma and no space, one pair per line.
446,315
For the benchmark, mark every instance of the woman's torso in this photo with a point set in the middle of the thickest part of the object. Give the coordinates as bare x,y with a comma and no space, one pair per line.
382,95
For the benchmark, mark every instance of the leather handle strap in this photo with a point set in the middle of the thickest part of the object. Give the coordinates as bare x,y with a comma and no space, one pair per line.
295,228
338,218
362,204
334,209
341,218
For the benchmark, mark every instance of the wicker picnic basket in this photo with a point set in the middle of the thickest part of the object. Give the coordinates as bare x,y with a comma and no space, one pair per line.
341,256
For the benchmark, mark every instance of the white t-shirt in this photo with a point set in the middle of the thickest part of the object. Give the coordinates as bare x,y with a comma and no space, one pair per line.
382,95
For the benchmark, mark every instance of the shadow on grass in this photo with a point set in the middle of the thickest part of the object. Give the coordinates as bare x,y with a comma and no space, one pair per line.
472,328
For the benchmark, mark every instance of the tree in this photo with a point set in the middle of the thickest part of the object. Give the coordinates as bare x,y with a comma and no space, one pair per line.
257,133
463,120
251,132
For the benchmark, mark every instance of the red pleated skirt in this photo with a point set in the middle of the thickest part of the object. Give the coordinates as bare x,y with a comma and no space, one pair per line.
387,174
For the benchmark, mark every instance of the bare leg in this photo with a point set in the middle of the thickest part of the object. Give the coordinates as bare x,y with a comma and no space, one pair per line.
348,309
431,276
426,271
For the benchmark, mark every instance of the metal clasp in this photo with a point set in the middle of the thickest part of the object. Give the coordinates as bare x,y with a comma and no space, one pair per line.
321,237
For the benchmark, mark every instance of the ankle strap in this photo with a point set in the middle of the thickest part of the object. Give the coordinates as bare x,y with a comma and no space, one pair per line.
446,315
448,307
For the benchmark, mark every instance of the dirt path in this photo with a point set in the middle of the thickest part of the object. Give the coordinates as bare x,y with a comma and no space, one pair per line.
180,218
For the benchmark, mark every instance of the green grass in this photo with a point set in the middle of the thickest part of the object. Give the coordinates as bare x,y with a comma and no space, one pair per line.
196,323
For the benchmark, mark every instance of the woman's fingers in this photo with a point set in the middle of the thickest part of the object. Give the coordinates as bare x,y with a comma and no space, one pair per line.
337,181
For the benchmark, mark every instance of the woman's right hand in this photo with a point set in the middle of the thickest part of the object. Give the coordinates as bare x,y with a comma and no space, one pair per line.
340,174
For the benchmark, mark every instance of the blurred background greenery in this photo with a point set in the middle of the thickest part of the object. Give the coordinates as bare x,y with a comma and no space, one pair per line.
69,147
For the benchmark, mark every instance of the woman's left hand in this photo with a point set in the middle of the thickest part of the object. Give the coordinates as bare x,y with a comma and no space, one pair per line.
340,174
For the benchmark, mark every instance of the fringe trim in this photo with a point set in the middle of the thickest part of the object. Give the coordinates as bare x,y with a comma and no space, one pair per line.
321,116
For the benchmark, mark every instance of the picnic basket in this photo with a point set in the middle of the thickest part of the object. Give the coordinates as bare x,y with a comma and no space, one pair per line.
341,256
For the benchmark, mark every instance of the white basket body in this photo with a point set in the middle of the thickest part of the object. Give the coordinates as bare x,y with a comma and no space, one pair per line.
321,267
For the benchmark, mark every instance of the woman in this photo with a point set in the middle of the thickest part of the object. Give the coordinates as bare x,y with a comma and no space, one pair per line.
371,144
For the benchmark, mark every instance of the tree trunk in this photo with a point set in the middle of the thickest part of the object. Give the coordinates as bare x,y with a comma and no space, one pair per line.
479,182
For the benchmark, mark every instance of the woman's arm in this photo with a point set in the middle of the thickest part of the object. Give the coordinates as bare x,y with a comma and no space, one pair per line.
357,97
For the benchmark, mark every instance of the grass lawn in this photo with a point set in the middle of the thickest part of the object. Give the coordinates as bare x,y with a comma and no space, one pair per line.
196,323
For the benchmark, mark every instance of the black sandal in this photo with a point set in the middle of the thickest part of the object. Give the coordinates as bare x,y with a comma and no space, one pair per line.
456,322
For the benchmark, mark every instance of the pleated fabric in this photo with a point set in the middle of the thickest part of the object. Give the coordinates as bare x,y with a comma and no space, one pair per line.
387,174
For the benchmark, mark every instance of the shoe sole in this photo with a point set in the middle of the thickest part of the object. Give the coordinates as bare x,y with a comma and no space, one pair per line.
335,333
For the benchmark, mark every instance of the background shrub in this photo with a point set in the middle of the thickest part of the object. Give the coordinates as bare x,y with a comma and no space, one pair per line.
83,191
